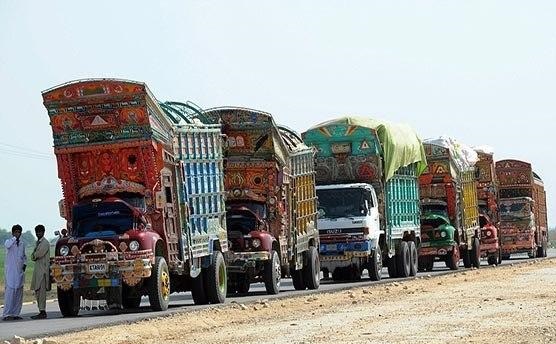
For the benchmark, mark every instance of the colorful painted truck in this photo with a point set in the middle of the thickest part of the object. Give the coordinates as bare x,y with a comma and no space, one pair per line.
450,217
523,222
487,194
271,202
368,200
143,197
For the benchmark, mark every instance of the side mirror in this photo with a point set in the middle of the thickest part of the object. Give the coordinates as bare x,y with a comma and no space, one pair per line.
57,233
64,232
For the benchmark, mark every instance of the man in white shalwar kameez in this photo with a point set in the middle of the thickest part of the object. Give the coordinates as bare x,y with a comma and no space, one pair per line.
14,274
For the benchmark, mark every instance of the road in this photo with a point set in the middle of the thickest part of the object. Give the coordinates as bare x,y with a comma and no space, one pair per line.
180,303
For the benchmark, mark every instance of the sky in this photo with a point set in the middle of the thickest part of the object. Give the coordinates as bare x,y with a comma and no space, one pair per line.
483,72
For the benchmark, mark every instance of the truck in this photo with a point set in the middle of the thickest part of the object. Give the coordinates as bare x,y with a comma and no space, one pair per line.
487,195
143,197
269,179
368,196
450,217
522,203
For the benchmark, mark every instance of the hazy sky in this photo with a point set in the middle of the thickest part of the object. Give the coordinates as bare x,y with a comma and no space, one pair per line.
483,72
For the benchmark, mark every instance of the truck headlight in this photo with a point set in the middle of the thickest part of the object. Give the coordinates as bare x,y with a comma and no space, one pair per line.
64,250
256,243
443,234
489,233
134,245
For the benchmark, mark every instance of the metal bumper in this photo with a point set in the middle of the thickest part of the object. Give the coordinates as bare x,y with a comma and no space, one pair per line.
242,261
435,250
78,274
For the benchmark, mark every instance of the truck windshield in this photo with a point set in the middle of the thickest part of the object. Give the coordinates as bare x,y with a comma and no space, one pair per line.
347,202
510,210
257,208
432,208
102,219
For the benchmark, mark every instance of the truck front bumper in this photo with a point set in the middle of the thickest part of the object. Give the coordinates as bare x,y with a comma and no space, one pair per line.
243,261
80,272
436,248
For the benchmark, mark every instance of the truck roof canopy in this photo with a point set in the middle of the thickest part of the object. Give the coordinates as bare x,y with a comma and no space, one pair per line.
398,144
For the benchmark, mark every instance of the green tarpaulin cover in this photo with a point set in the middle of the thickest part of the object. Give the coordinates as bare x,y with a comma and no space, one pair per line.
400,144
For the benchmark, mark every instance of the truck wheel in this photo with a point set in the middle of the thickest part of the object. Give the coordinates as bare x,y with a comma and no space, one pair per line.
198,290
375,265
476,253
499,256
159,285
452,262
297,278
215,279
68,301
492,260
464,252
404,260
272,274
393,266
414,258
541,250
311,270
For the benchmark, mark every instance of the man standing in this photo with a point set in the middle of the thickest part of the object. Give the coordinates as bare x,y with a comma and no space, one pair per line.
40,282
14,275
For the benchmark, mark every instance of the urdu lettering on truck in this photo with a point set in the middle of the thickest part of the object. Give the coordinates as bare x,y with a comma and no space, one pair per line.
143,197
450,216
270,203
368,196
523,220
487,195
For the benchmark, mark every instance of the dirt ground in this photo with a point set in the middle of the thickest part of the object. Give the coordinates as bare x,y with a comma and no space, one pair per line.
513,304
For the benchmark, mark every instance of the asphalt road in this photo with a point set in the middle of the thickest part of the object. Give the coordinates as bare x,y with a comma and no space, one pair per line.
181,302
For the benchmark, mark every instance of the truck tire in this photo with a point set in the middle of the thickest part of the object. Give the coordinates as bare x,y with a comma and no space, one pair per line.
393,266
297,278
68,301
158,285
198,290
476,253
215,279
272,274
492,259
414,258
452,260
311,270
541,250
464,253
426,263
375,265
404,260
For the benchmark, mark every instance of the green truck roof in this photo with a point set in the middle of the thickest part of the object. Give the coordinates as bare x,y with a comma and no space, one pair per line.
398,144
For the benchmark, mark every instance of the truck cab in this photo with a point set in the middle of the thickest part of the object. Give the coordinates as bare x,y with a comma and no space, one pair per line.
348,223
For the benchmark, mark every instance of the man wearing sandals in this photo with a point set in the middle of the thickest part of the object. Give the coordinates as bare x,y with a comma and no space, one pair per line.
40,283
14,275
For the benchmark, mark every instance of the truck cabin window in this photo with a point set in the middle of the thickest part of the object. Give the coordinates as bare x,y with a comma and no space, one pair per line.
348,202
258,208
243,222
102,219
434,209
512,210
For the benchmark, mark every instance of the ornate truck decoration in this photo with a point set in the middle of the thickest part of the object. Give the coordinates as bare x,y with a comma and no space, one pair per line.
487,194
522,204
271,202
143,197
450,217
367,173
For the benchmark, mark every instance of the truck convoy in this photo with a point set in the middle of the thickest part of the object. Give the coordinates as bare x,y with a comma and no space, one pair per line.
523,221
450,218
143,197
487,194
270,203
368,200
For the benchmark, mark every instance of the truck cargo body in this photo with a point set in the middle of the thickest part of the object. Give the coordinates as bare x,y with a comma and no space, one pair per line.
450,220
487,194
271,202
365,218
132,183
523,220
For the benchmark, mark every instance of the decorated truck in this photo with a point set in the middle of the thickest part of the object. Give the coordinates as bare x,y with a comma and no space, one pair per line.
143,197
450,217
487,195
368,196
271,202
522,203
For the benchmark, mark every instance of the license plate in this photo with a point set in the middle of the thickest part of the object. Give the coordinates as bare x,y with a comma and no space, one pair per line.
97,267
